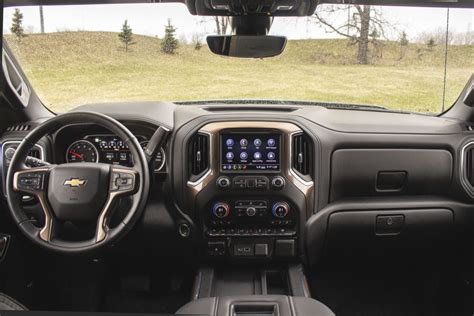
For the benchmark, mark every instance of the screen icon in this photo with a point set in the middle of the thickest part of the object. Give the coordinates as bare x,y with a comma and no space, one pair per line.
257,156
271,142
229,155
257,142
243,155
244,142
229,142
271,155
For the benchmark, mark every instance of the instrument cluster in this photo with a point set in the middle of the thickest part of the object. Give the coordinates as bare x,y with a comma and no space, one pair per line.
108,149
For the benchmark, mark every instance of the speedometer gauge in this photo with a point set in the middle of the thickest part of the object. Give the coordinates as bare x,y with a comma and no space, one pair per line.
82,151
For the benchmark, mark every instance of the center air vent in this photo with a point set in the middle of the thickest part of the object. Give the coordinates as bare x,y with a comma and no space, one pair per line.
302,154
198,154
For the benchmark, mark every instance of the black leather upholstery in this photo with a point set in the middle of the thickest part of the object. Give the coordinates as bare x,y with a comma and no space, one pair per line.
9,304
286,305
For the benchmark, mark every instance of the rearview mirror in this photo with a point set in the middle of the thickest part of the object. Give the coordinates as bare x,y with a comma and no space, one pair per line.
246,46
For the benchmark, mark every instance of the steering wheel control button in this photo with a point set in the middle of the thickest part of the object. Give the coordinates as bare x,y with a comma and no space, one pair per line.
280,209
122,181
278,183
223,182
30,181
221,210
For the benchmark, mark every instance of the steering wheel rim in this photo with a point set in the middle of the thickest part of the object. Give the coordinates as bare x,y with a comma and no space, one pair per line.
135,184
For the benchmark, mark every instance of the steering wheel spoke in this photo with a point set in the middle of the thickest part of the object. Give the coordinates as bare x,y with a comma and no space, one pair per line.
34,181
31,180
123,182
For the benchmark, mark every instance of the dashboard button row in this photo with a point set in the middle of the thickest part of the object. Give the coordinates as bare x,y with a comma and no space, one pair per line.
228,232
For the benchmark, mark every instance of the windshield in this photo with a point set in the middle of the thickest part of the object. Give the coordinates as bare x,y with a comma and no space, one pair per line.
400,58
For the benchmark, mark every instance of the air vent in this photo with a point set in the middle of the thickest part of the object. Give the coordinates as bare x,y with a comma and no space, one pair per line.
19,128
302,153
199,154
467,168
469,165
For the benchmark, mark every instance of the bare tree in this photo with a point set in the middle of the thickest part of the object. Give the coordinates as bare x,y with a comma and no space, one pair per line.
365,25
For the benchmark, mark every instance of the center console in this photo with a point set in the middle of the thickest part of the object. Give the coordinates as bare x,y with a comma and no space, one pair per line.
230,291
251,202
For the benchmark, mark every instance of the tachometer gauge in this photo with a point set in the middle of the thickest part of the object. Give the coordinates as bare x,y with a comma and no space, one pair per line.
82,151
160,158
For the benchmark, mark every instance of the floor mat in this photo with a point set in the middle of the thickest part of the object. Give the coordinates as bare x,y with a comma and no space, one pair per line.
390,290
147,289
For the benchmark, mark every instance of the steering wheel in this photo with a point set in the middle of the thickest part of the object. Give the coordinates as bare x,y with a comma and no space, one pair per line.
77,192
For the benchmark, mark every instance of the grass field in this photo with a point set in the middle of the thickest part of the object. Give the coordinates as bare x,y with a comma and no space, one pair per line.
72,68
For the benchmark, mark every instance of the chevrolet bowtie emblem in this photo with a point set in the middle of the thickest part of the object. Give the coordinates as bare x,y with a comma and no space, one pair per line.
75,183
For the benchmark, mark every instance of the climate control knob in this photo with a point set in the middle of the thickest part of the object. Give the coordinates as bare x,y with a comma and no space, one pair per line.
251,211
221,210
280,209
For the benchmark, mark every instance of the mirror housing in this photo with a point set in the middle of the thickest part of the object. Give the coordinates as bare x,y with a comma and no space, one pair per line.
246,46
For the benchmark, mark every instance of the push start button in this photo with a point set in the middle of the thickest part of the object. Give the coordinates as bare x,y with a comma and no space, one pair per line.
389,224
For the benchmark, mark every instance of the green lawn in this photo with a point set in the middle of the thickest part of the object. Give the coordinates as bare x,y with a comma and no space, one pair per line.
72,68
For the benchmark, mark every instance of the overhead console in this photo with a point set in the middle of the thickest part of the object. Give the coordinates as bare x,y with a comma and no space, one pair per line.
250,187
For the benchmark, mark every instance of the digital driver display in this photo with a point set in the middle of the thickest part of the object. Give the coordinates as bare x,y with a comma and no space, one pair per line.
245,151
112,150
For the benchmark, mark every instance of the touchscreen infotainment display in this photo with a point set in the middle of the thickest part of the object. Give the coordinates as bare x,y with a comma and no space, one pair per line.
250,151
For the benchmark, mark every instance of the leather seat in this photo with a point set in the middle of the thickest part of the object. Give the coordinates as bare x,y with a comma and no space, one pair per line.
9,304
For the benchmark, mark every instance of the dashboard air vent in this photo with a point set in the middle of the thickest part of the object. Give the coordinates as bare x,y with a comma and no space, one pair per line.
302,153
467,168
469,165
19,128
198,154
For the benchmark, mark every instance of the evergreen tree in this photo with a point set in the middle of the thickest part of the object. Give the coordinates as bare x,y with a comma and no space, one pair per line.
403,44
404,39
126,35
169,44
431,43
17,25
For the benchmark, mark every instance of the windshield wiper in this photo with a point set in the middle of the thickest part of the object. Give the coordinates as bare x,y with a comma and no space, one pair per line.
328,105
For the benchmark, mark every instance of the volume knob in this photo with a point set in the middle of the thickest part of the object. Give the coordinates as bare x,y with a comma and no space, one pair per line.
280,209
221,210
223,182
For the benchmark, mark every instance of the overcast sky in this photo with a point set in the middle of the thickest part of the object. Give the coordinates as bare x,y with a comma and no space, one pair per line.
149,19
